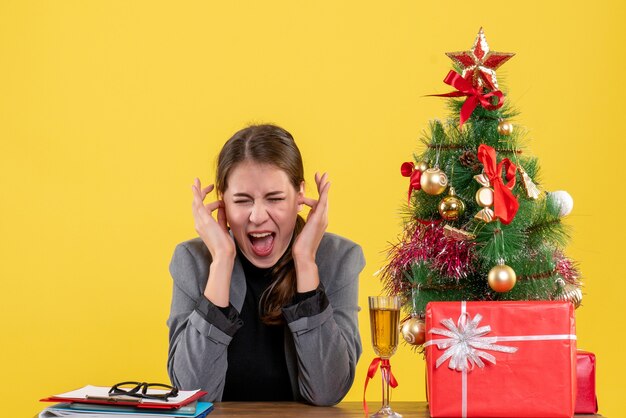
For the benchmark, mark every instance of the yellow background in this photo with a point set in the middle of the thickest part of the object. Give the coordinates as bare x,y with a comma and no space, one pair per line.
109,109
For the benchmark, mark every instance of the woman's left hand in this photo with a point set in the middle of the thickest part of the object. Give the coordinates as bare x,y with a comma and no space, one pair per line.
307,242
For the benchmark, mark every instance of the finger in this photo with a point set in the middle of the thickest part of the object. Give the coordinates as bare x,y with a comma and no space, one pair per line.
200,193
196,188
208,189
221,217
202,213
322,181
198,200
214,205
323,200
319,177
307,201
197,197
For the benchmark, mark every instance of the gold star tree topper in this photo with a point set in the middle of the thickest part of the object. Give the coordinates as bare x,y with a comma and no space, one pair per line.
480,64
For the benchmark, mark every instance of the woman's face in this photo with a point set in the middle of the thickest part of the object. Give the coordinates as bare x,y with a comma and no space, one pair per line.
261,209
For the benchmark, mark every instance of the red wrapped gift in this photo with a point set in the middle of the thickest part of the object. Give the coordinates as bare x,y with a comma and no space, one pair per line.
501,359
586,400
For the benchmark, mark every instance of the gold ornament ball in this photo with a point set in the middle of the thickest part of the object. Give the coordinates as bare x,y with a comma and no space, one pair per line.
501,278
571,293
414,331
421,166
505,128
434,181
451,208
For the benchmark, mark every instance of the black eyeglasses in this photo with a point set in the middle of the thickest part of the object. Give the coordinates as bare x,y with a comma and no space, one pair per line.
144,390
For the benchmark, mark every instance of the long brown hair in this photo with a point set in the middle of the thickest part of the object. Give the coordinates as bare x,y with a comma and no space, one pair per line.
267,144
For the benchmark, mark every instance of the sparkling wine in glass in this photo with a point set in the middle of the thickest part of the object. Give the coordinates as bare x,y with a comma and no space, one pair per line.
384,322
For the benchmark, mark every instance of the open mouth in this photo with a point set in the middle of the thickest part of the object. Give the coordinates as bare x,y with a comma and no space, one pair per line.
262,243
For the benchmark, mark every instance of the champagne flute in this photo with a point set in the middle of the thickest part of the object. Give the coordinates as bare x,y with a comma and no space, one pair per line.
384,322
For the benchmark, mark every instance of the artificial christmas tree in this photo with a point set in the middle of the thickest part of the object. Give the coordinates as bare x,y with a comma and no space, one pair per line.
478,226
483,242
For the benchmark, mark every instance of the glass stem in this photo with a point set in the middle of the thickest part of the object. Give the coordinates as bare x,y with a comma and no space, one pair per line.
385,375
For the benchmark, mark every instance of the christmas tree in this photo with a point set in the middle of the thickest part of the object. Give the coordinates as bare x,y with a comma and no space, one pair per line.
478,225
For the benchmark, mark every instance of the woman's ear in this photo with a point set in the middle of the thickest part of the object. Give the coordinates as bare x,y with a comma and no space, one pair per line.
301,196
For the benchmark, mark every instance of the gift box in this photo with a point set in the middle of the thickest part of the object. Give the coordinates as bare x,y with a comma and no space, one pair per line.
501,359
586,400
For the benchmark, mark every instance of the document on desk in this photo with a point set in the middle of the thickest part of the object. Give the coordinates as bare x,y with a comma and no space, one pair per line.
102,392
100,395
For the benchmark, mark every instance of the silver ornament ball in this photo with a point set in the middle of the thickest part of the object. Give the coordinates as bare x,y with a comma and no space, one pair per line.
563,200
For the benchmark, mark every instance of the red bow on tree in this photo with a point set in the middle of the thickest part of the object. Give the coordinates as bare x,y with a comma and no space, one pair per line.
474,95
408,170
505,203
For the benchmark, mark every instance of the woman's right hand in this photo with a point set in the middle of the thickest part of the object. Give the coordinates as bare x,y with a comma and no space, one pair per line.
219,242
214,234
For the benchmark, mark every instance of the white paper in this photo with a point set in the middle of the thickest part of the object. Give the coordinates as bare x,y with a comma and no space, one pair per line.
103,392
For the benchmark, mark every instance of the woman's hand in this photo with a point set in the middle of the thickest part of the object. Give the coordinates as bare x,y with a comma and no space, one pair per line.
307,242
219,242
214,233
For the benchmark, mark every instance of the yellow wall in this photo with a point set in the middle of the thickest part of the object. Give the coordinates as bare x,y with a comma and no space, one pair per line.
109,109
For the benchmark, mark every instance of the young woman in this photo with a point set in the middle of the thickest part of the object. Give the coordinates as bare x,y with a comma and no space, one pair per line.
264,306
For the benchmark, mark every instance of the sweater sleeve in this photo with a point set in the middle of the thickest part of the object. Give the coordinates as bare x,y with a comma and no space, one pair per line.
327,342
199,332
